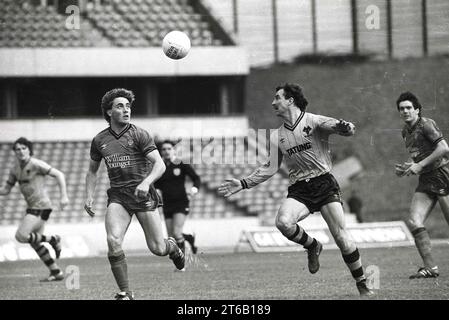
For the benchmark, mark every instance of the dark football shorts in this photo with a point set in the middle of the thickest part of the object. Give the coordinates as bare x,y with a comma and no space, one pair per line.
316,192
171,208
434,183
125,196
43,213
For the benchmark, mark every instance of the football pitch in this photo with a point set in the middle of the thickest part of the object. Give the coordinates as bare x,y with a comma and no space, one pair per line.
233,276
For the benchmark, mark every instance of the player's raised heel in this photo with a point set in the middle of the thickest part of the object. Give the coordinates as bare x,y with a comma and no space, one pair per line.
56,275
124,296
177,256
425,272
364,290
313,257
56,244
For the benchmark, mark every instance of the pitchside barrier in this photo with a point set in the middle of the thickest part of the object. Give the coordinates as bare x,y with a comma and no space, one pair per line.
213,235
89,239
366,235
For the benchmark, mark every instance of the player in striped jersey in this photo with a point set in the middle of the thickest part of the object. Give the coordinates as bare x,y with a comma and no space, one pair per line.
133,164
428,159
302,141
30,173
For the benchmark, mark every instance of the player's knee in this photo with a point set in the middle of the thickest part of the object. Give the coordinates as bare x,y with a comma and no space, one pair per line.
21,237
158,248
114,243
413,224
283,223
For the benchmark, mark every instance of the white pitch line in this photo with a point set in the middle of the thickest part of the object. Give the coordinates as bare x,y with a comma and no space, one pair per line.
16,276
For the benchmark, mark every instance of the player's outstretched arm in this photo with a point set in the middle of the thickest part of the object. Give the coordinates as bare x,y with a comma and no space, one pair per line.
60,178
91,183
229,187
5,190
340,127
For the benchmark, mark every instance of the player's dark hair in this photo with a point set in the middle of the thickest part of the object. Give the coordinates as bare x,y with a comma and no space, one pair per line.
167,141
408,96
25,142
292,90
108,98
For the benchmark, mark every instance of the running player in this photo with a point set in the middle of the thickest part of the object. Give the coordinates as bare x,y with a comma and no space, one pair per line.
175,198
30,173
133,164
303,142
429,159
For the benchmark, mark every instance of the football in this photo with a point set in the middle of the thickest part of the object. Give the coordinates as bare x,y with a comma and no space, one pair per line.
176,45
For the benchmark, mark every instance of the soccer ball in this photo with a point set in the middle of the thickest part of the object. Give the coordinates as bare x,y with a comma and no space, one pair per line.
176,45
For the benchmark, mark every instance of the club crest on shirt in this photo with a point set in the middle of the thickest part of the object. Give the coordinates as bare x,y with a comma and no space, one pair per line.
176,171
130,142
307,130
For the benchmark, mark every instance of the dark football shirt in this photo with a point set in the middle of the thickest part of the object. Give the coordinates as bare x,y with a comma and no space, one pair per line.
421,141
172,182
124,154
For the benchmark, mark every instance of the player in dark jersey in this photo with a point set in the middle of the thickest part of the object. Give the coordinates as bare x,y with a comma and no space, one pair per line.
428,159
302,141
30,174
133,164
175,198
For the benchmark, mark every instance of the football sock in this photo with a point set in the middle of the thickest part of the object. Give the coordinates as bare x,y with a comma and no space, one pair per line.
422,241
44,255
301,237
35,238
181,243
189,238
119,270
354,263
170,247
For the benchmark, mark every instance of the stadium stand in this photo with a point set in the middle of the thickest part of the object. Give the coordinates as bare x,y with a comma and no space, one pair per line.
24,25
72,158
130,23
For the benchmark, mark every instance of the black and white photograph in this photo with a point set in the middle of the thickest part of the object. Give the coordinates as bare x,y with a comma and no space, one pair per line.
222,155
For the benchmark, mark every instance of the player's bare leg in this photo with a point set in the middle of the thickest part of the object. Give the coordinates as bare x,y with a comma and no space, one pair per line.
152,227
179,220
117,222
31,231
333,214
169,226
289,214
422,205
444,204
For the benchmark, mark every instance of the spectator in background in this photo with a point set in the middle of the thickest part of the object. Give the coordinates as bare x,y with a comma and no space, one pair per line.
355,205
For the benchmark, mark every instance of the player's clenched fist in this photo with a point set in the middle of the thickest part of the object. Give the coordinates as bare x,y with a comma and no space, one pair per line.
343,127
142,190
88,207
229,187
